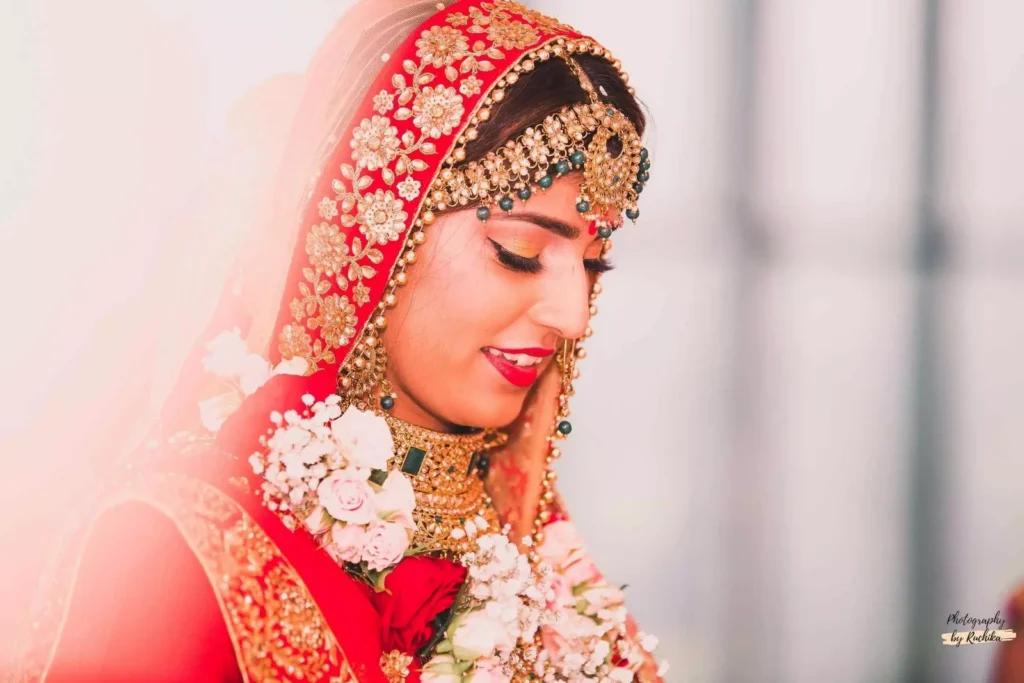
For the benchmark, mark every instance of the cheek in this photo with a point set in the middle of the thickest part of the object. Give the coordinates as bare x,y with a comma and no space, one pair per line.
457,299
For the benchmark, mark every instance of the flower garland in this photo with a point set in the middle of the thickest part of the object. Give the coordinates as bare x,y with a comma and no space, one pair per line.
326,470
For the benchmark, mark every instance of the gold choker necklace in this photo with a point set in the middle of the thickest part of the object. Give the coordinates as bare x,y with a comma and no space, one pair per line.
445,471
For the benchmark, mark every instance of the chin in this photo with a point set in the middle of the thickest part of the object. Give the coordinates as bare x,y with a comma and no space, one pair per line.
494,411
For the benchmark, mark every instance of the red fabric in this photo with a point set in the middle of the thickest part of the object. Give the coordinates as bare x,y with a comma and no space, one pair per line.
143,609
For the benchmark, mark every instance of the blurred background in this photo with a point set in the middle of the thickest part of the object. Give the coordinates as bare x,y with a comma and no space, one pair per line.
798,433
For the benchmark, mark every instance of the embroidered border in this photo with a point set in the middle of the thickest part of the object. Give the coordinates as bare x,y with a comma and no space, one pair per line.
277,629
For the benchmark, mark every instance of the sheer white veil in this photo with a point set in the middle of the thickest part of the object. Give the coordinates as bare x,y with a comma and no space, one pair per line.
231,251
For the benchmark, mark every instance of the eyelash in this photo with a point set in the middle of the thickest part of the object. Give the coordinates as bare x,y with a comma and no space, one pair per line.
523,264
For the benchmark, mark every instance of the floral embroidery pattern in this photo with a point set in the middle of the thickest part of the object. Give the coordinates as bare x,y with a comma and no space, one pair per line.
425,103
441,45
375,143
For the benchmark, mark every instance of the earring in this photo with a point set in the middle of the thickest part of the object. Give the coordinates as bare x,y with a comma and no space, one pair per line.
567,362
364,372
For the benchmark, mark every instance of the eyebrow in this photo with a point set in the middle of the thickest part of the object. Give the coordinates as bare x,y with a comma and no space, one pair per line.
560,228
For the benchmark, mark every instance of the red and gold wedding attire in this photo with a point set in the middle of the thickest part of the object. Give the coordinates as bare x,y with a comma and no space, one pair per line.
214,554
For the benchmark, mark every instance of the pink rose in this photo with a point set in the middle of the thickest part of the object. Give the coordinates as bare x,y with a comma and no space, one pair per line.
385,544
602,597
347,497
582,570
562,590
347,542
487,670
562,543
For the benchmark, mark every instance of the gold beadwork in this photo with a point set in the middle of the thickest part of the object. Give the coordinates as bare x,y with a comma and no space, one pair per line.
607,186
448,490
395,665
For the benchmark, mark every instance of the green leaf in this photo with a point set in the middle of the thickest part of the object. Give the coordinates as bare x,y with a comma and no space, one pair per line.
376,578
440,624
378,477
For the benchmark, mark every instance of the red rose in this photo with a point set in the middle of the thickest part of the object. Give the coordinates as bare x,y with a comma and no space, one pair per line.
418,589
240,433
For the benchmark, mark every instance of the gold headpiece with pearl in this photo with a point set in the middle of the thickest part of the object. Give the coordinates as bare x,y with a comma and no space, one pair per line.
578,138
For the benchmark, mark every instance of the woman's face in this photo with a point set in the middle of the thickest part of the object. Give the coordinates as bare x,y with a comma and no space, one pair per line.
486,306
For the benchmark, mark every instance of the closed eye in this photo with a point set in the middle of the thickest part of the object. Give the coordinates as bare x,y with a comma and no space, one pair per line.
597,265
532,264
514,261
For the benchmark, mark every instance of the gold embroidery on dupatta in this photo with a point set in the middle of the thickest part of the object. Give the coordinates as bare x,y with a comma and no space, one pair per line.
277,629
426,111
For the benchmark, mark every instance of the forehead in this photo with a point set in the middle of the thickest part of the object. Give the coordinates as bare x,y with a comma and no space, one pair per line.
559,201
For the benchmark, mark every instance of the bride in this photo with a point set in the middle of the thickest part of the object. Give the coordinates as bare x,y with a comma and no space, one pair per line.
352,477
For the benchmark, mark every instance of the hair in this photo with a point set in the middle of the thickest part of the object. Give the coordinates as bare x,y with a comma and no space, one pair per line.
546,90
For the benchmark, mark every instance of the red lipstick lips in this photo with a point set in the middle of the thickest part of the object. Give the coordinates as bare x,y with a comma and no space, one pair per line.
518,375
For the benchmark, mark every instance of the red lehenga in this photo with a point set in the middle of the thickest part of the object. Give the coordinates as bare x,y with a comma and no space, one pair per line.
183,574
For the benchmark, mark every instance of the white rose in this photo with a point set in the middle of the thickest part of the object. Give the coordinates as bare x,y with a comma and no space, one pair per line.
441,669
364,438
214,411
476,635
396,499
385,544
487,670
347,497
347,542
225,354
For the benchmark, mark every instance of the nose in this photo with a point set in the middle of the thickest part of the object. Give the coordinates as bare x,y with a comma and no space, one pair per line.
563,303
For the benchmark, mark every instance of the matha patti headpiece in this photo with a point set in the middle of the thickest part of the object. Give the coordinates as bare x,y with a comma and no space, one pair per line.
577,138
